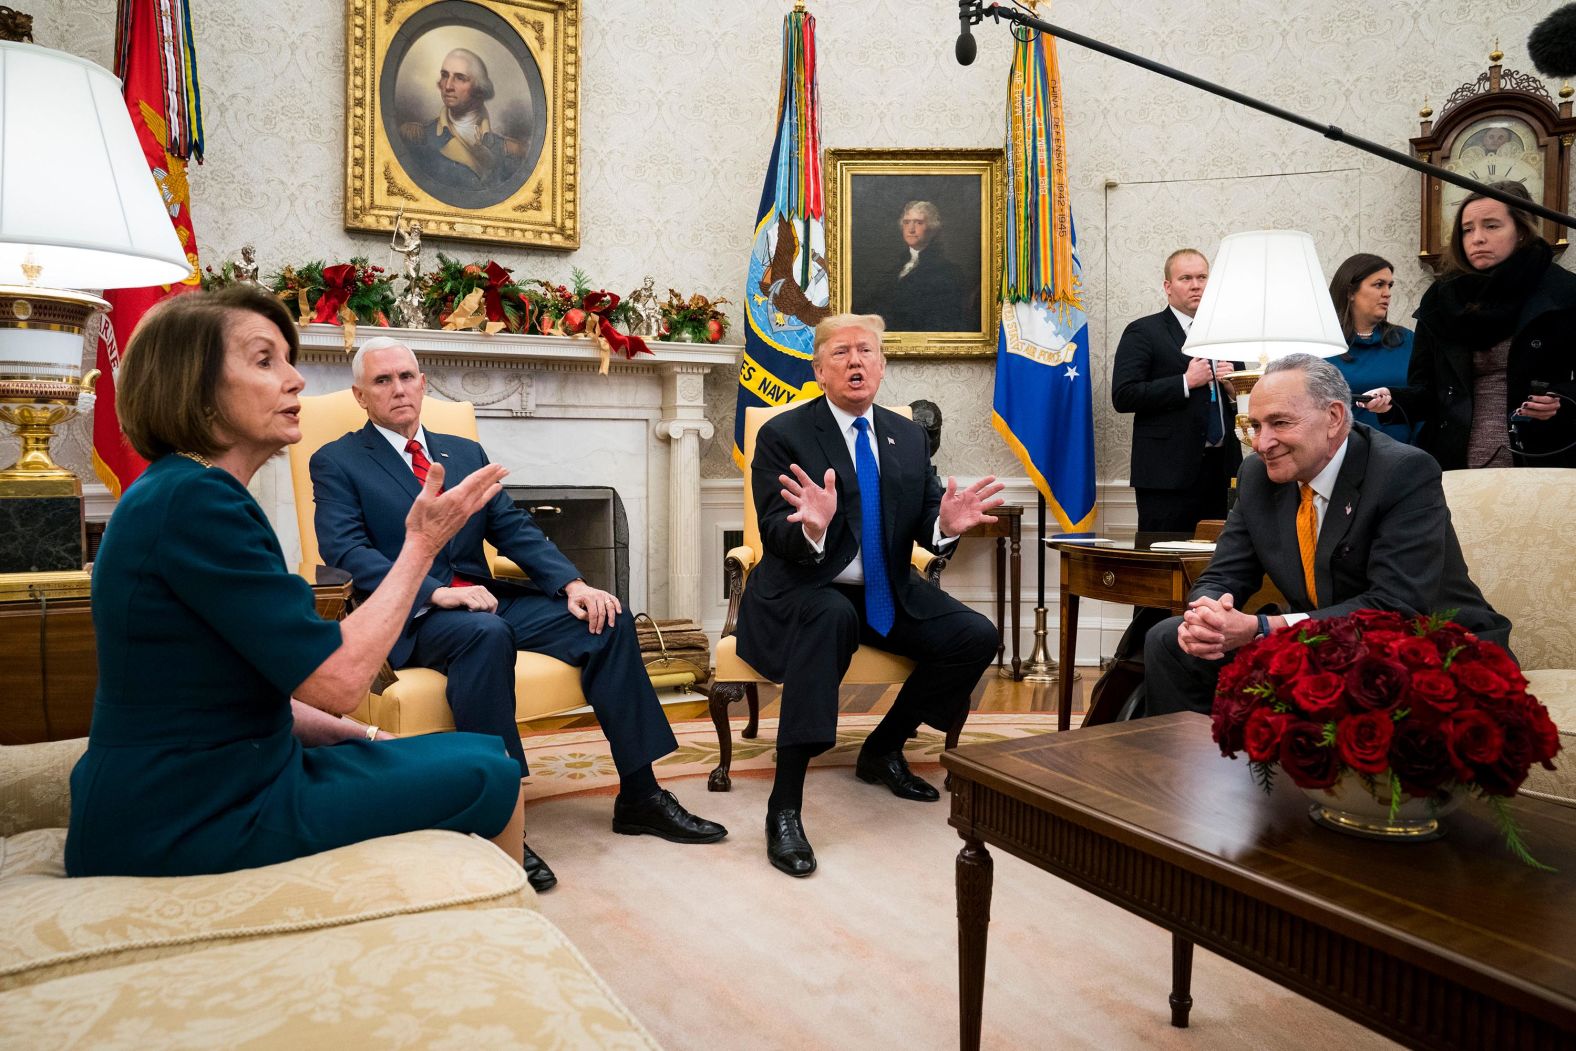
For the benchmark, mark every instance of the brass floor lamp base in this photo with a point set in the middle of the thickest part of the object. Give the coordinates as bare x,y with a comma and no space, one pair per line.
1041,666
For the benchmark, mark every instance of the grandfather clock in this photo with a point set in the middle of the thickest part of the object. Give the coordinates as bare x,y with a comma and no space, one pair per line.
1502,126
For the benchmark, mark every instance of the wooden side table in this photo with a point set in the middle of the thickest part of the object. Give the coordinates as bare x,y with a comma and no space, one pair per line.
1008,533
48,657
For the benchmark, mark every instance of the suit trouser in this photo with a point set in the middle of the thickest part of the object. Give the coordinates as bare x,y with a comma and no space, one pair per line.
950,651
1175,681
477,652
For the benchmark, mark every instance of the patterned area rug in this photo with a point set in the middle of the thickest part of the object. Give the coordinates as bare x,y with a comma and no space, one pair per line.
579,760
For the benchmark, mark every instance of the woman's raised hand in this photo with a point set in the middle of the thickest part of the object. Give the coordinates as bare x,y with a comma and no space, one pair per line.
437,515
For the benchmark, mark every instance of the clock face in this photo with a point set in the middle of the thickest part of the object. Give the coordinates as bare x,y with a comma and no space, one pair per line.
1493,149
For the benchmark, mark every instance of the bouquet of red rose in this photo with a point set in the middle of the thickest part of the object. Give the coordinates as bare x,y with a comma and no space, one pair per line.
1414,707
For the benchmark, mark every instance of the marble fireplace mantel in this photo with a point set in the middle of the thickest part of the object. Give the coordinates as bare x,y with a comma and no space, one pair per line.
545,412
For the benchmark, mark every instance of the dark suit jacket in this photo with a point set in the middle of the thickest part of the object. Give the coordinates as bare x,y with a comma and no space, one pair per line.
1386,542
1168,421
789,569
932,298
363,490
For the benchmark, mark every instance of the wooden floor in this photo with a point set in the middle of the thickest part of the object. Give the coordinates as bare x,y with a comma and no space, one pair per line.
993,694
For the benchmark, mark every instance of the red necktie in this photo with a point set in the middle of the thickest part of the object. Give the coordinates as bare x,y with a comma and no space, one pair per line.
419,463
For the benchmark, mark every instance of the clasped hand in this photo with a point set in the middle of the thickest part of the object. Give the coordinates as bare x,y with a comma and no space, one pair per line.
1212,628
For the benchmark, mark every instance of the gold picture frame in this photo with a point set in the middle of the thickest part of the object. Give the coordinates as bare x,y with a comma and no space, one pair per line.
954,308
505,172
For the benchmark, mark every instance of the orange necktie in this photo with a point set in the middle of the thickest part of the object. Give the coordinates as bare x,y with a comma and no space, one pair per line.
1308,539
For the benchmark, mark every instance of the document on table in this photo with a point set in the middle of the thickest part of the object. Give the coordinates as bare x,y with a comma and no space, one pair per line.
1184,546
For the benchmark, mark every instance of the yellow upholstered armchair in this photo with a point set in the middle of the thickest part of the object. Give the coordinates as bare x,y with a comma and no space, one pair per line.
415,703
735,680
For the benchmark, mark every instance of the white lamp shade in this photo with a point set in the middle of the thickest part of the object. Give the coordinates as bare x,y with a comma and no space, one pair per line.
1266,298
76,195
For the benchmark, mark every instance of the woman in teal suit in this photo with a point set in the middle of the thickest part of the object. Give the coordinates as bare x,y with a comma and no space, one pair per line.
216,743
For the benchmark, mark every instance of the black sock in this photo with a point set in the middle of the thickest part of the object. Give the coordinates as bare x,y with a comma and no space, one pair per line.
638,785
788,787
890,734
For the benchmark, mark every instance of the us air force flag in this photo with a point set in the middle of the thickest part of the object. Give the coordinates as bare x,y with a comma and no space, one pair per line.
786,289
1044,399
1044,404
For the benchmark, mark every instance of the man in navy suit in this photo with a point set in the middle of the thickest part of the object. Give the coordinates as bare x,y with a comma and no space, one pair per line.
1185,451
843,490
468,625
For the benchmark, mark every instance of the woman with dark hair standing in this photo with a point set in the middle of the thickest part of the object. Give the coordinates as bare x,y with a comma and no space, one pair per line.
214,668
1494,361
1377,352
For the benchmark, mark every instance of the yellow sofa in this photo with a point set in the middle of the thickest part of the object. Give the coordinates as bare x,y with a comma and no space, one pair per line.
420,940
1517,527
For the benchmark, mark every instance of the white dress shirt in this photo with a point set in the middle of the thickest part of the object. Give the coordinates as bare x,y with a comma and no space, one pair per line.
854,572
399,441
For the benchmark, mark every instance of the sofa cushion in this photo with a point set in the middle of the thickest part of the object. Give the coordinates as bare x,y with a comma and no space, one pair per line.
35,784
52,926
494,979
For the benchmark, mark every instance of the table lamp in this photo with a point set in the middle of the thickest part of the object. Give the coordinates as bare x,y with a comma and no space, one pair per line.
79,209
1266,298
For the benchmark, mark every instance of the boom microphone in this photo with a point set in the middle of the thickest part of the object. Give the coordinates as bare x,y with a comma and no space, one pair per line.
966,47
1552,44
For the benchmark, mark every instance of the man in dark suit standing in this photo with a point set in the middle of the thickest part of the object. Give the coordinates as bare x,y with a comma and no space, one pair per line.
843,490
1340,516
468,625
1184,450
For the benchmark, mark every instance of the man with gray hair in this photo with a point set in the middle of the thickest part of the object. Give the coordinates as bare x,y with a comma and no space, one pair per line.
1339,516
924,290
459,147
469,625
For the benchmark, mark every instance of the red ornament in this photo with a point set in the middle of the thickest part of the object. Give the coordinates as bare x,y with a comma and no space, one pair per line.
714,331
574,321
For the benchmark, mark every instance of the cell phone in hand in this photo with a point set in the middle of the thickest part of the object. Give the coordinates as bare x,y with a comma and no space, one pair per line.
1363,399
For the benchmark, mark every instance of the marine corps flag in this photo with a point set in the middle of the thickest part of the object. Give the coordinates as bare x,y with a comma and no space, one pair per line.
786,289
1043,404
157,65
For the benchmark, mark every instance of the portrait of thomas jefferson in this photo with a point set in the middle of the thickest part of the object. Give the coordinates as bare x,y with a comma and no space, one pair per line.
906,264
463,105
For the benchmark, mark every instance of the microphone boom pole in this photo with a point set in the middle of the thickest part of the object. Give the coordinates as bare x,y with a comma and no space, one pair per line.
972,12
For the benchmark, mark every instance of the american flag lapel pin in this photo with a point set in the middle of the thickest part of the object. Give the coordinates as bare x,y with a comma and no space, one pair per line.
1348,508
891,440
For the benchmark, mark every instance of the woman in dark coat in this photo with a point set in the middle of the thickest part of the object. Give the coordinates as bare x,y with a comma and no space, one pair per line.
216,742
1493,370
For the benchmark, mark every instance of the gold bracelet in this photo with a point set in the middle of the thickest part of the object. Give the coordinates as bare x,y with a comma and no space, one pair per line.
372,733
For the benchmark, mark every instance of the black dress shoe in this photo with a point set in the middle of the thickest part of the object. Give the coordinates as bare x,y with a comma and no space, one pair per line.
892,770
663,815
786,847
537,874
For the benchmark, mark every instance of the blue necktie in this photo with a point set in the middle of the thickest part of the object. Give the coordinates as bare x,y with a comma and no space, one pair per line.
879,611
1214,426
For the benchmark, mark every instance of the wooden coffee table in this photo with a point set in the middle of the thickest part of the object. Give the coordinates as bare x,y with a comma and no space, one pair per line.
1449,944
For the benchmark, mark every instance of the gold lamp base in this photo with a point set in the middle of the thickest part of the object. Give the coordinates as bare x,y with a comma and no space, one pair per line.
1242,384
42,332
1041,666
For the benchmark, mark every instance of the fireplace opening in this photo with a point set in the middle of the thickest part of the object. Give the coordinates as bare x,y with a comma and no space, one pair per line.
587,523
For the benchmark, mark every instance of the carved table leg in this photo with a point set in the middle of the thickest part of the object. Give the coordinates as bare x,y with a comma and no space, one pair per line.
974,873
1181,980
722,695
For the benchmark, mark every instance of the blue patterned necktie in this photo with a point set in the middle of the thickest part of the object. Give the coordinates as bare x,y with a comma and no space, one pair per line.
879,611
1214,426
